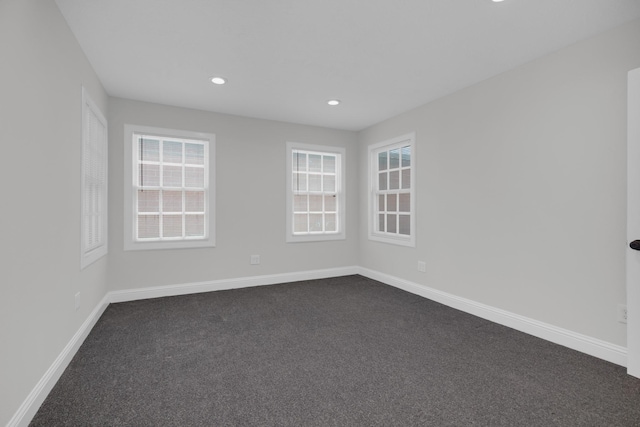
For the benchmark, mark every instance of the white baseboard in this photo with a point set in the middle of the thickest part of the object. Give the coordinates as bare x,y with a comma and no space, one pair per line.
594,347
225,284
31,404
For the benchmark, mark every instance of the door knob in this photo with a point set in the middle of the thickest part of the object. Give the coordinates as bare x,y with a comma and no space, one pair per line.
635,245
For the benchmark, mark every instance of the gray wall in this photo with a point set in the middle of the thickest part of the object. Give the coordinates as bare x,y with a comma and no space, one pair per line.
250,173
41,74
521,193
521,185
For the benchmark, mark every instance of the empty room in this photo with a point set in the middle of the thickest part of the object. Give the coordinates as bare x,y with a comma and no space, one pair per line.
320,213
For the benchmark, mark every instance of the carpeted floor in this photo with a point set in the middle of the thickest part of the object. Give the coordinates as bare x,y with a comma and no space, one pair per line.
347,351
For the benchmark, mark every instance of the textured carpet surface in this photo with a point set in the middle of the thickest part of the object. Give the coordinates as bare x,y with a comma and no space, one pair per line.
347,351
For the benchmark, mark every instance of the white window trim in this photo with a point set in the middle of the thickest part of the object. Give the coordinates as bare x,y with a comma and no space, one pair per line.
340,187
408,139
89,255
130,162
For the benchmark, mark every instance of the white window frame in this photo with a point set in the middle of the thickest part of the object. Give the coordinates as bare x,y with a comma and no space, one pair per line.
374,192
340,233
94,181
131,133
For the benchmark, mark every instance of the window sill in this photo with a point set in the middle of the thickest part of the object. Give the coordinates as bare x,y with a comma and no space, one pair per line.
176,244
400,241
315,237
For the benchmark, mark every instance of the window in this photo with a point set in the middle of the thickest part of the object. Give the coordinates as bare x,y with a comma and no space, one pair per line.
392,196
94,183
169,196
315,193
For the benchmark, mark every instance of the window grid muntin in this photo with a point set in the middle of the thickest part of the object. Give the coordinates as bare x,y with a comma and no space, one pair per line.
297,173
93,244
161,188
94,181
383,215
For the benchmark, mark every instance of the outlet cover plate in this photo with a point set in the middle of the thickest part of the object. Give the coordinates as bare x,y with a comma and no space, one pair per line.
422,266
622,313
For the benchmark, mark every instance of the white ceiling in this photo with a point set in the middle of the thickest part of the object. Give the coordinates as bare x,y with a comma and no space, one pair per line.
285,58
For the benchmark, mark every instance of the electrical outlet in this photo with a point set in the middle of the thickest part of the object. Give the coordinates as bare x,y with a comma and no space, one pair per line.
255,259
422,266
622,313
77,301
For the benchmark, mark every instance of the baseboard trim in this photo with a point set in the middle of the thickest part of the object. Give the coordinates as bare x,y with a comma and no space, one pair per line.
585,344
594,347
31,404
225,284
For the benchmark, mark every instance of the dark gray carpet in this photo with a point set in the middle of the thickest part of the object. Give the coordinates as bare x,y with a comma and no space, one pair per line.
347,351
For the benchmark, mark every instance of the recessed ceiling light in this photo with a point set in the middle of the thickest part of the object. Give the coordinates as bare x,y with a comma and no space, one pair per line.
218,80
333,102
497,1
